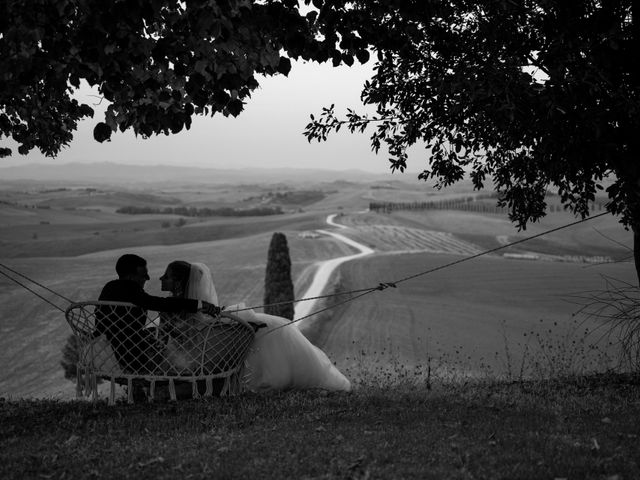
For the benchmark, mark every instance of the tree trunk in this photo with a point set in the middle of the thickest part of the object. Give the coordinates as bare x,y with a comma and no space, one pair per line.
635,26
636,248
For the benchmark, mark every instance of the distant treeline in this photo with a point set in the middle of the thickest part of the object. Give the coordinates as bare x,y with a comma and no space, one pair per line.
295,197
24,205
65,189
202,212
470,204
465,203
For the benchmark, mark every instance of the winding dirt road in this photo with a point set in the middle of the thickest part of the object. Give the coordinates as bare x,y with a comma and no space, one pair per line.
324,271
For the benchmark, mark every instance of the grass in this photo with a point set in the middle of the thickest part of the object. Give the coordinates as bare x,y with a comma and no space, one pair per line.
581,427
618,309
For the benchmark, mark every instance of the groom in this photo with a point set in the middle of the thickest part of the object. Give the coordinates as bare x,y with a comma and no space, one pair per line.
134,345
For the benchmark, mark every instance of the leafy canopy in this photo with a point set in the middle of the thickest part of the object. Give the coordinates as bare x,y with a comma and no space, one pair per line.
526,94
157,62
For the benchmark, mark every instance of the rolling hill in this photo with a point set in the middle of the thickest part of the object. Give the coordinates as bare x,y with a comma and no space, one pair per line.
109,173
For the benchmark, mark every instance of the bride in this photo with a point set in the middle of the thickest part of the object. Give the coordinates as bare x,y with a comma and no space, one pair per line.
280,357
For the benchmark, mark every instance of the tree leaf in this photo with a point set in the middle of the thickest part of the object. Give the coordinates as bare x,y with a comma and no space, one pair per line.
102,132
284,66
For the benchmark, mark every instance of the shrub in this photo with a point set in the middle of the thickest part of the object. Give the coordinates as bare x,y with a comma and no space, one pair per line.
70,358
617,307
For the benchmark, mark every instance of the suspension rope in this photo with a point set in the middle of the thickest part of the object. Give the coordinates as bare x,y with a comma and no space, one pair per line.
306,299
371,290
385,285
33,291
34,282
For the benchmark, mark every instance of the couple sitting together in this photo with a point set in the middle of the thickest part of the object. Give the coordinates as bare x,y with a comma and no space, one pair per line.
280,357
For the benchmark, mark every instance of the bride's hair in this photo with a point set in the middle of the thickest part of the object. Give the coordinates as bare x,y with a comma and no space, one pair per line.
180,272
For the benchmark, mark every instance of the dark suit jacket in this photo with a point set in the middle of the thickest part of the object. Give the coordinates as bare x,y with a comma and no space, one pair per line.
134,346
129,291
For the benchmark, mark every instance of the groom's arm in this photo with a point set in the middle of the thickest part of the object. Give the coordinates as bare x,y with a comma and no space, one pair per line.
167,304
126,291
176,304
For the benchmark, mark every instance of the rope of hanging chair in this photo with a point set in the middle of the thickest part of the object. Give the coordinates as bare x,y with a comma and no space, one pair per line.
34,282
31,290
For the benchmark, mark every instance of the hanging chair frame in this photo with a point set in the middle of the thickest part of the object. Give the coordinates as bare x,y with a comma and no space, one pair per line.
126,345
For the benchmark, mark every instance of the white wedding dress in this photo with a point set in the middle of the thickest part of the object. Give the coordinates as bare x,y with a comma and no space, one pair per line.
281,357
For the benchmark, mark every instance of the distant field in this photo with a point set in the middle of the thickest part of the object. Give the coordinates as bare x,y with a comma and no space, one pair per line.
598,237
467,315
70,239
394,238
46,221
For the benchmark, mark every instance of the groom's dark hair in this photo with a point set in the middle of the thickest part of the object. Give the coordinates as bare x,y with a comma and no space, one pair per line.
128,264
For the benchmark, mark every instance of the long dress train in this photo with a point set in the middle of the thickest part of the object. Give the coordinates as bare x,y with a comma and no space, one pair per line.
283,358
280,357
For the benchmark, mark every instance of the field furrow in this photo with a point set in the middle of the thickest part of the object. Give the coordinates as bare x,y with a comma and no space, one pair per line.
386,238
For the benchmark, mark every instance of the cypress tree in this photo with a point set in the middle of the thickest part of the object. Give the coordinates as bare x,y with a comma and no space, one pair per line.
278,286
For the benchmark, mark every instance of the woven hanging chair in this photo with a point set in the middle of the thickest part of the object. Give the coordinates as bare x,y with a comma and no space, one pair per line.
123,344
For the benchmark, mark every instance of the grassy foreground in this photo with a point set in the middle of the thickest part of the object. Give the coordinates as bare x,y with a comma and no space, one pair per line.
579,428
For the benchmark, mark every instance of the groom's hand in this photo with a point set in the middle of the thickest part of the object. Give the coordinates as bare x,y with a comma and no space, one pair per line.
211,309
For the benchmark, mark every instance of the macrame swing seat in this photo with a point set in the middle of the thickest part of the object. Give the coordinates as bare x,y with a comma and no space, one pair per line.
168,351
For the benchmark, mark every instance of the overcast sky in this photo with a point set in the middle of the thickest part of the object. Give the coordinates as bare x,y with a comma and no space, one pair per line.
268,133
